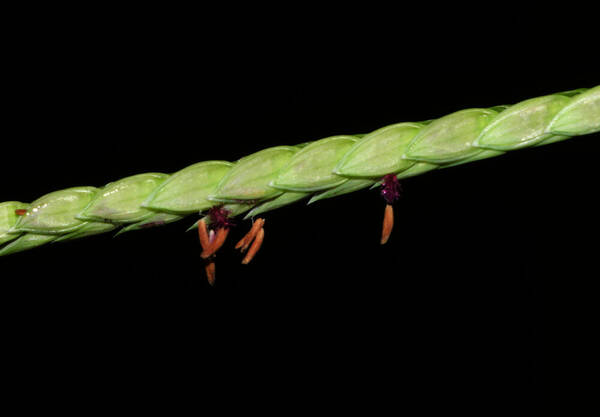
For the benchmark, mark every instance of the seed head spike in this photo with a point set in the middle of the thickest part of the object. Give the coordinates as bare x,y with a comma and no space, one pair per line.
279,176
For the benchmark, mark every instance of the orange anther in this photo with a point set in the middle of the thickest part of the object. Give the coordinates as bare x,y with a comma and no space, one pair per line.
388,223
203,233
210,272
216,243
247,240
20,212
255,246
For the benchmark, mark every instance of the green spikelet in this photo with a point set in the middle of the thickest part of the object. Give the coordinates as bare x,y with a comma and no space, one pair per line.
56,213
579,117
88,229
379,153
521,125
121,201
187,190
311,169
249,179
449,138
27,241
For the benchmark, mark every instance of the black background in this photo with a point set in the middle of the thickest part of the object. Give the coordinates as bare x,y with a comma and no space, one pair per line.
488,266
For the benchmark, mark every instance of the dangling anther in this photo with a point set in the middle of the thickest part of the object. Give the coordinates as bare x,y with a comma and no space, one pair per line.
210,271
203,234
247,240
255,246
215,243
388,223
211,241
219,221
391,192
205,241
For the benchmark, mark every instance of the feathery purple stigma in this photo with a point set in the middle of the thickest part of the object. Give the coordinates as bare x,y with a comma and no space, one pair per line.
219,217
390,188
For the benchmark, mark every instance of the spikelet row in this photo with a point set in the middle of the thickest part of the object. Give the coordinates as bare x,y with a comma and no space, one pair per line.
282,175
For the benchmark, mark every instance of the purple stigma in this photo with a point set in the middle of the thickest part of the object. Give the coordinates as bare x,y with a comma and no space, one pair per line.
219,217
390,188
